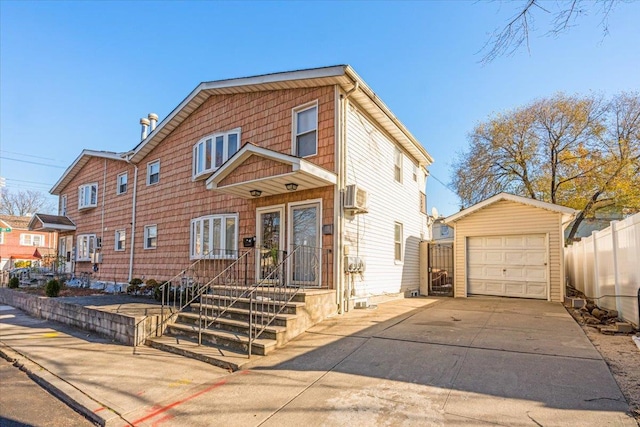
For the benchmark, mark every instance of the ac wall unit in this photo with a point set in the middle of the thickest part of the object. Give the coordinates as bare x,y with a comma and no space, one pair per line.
98,242
96,258
355,199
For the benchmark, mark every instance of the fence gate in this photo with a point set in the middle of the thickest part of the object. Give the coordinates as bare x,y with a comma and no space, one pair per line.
441,269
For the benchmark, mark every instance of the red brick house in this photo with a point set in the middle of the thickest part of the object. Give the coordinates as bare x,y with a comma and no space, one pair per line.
19,243
310,158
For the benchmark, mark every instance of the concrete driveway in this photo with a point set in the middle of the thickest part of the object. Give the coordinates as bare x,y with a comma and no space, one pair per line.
476,361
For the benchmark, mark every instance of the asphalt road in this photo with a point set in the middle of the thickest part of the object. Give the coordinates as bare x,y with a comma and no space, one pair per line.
25,403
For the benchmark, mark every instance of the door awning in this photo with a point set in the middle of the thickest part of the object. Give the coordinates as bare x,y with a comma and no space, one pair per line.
257,172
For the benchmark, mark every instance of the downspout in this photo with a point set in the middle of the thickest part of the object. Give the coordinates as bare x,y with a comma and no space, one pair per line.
342,180
133,219
104,193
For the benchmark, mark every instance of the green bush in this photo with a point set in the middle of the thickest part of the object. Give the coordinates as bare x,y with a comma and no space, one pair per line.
134,286
14,283
52,288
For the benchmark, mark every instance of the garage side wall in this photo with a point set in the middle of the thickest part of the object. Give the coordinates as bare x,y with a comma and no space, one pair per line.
508,218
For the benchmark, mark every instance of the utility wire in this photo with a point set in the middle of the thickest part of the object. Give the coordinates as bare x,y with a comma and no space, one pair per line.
443,184
33,163
31,155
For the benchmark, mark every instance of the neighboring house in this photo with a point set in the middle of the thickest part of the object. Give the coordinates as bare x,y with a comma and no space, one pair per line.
510,246
441,232
19,243
310,158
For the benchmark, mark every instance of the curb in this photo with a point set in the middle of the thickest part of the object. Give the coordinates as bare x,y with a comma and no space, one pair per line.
67,393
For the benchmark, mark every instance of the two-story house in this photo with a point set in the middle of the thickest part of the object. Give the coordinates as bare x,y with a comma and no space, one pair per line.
19,243
307,164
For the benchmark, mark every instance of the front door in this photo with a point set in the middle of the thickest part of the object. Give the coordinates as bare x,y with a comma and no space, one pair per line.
270,243
305,243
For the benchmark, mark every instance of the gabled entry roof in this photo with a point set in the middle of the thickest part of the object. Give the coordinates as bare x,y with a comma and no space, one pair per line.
288,170
567,213
45,222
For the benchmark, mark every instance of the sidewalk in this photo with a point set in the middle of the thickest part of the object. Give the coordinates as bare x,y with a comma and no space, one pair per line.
406,363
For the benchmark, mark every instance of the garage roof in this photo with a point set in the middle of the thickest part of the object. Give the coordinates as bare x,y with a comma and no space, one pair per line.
567,213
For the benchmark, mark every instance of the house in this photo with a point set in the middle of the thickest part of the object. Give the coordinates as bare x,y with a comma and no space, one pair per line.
308,167
510,246
18,243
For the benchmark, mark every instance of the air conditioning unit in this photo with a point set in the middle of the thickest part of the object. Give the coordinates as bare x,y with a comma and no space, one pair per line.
98,242
96,258
355,199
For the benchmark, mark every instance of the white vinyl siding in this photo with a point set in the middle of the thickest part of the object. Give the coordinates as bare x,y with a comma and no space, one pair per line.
371,155
213,150
505,218
88,196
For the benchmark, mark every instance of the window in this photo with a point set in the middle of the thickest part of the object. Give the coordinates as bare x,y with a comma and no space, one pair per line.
397,161
305,130
423,203
121,235
1,237
214,236
153,172
150,236
88,196
86,246
398,241
31,240
212,151
415,173
63,205
122,183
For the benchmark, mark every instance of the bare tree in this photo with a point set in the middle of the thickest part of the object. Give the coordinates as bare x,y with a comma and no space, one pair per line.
24,202
581,152
563,14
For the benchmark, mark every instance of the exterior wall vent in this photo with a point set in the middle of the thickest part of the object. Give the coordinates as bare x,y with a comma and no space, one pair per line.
356,199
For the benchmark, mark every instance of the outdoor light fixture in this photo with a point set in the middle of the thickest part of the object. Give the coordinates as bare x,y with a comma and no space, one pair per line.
291,186
255,193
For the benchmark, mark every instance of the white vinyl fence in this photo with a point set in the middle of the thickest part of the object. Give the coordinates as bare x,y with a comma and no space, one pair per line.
606,267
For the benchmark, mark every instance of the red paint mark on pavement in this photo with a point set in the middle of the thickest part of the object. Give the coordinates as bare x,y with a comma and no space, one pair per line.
245,372
161,420
140,393
102,408
178,402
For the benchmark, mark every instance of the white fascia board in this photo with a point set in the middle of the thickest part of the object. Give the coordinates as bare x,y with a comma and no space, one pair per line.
71,170
311,169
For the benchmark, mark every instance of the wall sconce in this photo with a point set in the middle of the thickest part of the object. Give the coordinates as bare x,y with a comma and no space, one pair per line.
291,186
255,193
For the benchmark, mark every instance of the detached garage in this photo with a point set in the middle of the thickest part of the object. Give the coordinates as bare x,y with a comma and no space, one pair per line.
510,246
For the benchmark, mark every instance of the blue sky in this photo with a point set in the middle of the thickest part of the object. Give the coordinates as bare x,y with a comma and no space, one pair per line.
77,75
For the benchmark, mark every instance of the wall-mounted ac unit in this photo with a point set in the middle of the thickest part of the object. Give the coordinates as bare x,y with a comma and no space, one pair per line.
96,258
356,199
98,242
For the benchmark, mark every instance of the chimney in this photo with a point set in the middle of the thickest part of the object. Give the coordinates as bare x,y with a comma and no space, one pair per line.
145,127
153,119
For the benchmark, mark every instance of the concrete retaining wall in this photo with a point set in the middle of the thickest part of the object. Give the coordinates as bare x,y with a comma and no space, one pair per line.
117,326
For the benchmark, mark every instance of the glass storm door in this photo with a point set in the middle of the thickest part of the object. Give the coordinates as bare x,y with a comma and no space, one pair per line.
305,244
270,243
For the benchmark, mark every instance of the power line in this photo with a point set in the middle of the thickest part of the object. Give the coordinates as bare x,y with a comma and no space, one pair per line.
28,182
443,184
30,155
33,163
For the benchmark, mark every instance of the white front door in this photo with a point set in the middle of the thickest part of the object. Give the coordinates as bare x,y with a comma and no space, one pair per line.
512,266
269,242
305,241
65,249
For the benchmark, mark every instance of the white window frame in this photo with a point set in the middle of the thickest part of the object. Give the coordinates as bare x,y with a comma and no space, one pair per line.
199,165
398,160
28,239
415,172
82,197
149,174
1,237
147,229
63,205
119,183
198,247
398,245
85,246
120,236
294,133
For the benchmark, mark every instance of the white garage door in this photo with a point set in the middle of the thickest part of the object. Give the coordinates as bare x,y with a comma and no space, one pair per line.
512,266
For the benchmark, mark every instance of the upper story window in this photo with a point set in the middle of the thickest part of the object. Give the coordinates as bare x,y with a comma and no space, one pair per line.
305,130
397,241
153,172
122,183
86,245
150,236
397,165
214,236
213,150
88,196
121,235
63,205
415,173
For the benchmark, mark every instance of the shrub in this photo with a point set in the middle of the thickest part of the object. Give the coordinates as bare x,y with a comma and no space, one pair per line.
52,288
134,286
14,283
